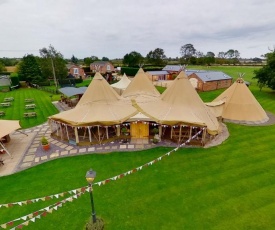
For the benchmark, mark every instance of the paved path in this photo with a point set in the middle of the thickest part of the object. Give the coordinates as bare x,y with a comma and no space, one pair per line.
27,152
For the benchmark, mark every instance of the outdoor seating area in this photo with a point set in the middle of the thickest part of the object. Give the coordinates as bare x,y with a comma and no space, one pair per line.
8,99
30,114
2,113
29,100
30,106
5,104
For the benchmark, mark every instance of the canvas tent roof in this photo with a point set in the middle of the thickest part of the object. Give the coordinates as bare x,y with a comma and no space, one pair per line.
141,88
99,105
121,85
8,126
72,91
240,105
180,104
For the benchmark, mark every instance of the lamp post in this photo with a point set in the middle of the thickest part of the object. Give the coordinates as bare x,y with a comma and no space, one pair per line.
90,176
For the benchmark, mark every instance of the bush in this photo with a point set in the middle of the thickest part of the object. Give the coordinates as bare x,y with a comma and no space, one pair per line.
14,79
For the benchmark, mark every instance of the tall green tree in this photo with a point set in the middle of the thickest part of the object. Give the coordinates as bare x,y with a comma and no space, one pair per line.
133,59
187,51
52,64
156,57
266,75
29,69
2,66
89,60
74,59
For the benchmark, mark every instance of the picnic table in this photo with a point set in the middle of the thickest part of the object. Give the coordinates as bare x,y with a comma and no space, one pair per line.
5,104
27,100
2,113
7,99
30,106
30,114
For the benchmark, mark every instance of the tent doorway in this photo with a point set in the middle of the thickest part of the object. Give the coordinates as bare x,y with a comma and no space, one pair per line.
139,130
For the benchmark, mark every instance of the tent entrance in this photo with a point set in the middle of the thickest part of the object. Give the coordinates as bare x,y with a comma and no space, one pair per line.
139,130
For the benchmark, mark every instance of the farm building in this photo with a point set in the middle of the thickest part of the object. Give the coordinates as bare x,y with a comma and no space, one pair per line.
209,80
102,114
76,71
102,67
159,75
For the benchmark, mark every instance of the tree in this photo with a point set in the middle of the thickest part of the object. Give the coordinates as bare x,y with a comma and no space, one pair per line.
89,60
266,75
29,69
187,51
133,59
156,57
74,60
105,59
2,67
52,64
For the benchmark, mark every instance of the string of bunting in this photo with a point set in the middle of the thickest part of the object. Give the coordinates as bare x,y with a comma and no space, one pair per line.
32,217
74,191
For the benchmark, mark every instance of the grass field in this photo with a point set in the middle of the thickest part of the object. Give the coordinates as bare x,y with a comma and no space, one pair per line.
230,186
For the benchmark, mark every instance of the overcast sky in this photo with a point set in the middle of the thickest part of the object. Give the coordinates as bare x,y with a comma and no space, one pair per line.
113,28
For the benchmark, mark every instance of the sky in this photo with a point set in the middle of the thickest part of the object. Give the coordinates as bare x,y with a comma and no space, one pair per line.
113,28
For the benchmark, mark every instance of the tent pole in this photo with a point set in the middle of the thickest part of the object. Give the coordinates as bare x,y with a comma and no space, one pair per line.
61,132
107,134
67,132
180,135
190,133
160,131
76,135
90,136
171,132
203,136
5,149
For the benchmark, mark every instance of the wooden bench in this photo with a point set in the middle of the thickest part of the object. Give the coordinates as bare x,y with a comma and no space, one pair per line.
31,114
5,104
2,113
8,99
28,100
30,106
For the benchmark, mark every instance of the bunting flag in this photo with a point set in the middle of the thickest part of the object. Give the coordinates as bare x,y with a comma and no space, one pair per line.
40,213
75,193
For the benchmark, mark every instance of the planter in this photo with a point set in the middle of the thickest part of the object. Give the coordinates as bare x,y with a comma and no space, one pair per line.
46,147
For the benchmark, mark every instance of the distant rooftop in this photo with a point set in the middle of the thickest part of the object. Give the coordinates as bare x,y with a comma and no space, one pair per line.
209,75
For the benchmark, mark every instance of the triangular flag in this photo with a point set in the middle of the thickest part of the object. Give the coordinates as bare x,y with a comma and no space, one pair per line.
32,219
24,217
43,198
99,183
10,205
10,223
20,226
26,223
19,203
6,205
50,210
74,191
3,225
30,216
56,195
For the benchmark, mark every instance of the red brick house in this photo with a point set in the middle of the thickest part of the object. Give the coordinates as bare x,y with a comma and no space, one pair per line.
76,71
102,67
209,80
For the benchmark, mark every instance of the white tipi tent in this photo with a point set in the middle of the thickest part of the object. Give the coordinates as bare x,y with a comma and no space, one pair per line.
121,85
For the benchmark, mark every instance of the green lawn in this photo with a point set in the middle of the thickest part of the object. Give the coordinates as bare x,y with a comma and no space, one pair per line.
230,186
44,107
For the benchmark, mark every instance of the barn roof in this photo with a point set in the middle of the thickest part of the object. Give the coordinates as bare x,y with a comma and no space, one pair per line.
211,75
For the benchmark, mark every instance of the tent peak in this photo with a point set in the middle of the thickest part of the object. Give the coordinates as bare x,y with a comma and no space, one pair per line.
98,76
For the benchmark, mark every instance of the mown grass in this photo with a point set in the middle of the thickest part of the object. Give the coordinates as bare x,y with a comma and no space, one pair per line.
44,107
230,186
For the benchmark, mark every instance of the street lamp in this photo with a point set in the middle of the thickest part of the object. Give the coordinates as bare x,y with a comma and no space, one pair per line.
90,176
